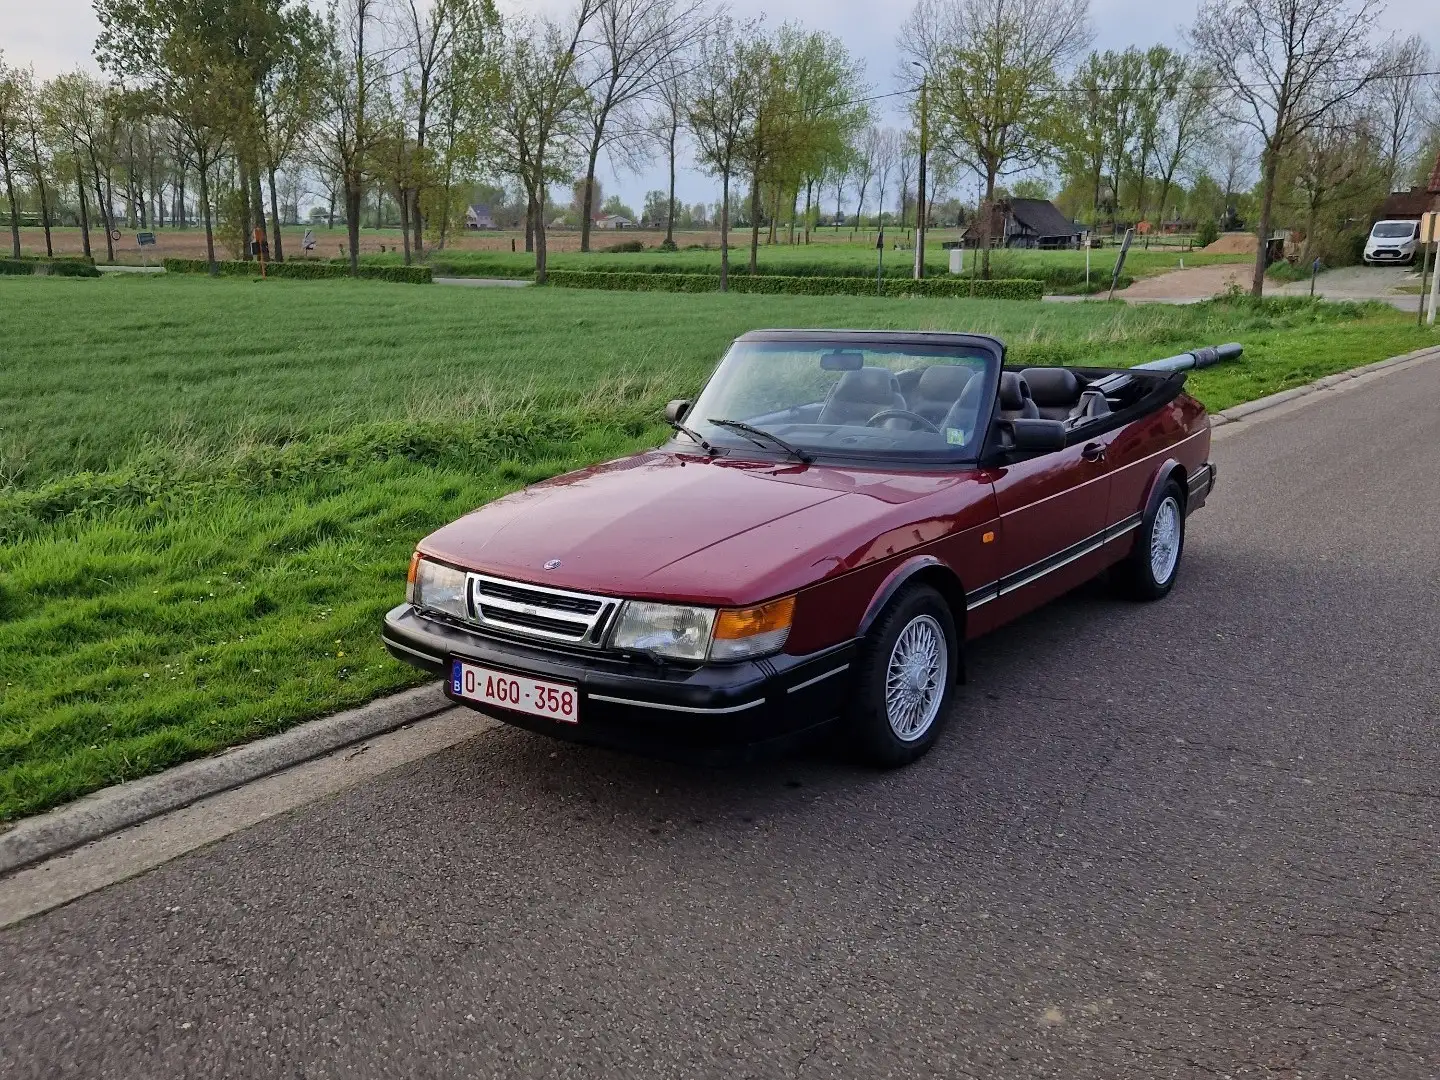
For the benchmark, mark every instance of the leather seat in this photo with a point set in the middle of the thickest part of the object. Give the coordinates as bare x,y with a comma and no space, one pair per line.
859,395
1056,391
938,390
1016,400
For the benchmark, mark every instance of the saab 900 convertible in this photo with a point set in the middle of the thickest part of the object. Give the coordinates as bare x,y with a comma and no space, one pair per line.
837,514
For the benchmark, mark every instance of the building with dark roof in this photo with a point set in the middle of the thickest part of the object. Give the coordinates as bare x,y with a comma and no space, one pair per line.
1026,223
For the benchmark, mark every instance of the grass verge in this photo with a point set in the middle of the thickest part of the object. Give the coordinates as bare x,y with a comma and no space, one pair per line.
209,488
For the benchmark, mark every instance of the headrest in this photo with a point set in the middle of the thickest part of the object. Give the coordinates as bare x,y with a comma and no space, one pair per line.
1052,385
943,382
866,384
1013,390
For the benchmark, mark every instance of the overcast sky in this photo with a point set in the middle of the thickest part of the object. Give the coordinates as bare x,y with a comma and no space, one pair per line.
56,35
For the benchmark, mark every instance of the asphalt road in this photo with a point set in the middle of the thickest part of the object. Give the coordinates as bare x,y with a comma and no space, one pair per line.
1190,839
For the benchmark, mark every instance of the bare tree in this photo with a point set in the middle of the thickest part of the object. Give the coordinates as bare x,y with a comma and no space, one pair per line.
866,154
671,100
887,155
1334,164
1284,65
347,130
12,103
1186,123
991,65
1399,101
634,44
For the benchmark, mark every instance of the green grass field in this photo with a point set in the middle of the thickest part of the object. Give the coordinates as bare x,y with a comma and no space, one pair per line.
1064,270
209,489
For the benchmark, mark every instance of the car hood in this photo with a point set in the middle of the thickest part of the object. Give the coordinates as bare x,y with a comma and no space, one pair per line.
674,526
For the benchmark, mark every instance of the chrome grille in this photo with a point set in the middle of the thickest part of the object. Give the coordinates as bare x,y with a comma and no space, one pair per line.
537,611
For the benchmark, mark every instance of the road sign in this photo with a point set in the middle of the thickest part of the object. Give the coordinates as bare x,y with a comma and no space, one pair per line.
145,239
1429,227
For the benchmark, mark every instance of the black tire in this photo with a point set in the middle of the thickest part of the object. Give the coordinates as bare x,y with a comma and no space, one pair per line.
870,736
1141,577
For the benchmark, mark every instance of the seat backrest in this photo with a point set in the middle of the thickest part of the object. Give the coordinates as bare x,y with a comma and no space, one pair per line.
938,390
1056,391
1016,401
859,395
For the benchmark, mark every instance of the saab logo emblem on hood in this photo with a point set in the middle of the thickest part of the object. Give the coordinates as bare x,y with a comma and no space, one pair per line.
553,564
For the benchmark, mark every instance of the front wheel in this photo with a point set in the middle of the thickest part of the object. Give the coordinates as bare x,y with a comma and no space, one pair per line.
905,678
1149,571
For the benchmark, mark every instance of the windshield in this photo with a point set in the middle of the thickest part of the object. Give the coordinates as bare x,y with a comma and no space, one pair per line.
823,398
1394,230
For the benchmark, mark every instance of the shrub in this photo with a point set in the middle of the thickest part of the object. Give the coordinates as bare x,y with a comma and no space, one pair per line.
1207,233
62,267
666,245
1006,289
624,246
305,270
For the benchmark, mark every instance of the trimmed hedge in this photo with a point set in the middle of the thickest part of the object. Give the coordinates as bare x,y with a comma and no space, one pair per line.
53,267
1009,289
305,270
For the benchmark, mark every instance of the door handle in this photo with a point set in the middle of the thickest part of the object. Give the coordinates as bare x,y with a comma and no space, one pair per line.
1093,451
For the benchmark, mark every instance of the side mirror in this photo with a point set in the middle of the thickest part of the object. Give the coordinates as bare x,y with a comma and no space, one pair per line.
675,410
1037,436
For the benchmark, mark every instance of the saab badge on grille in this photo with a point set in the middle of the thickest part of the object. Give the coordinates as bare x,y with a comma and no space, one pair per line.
553,564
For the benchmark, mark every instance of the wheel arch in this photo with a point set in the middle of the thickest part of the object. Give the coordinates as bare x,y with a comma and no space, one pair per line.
923,570
1170,469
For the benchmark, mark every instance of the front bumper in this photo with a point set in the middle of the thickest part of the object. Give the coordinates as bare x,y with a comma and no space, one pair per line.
711,713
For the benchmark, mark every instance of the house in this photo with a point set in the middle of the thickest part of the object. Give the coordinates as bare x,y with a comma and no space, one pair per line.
1407,205
613,221
479,217
1025,223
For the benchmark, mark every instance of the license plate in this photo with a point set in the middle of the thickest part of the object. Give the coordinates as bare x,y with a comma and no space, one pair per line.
554,701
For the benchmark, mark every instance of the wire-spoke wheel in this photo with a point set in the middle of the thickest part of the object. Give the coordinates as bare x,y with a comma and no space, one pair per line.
915,678
1153,564
905,678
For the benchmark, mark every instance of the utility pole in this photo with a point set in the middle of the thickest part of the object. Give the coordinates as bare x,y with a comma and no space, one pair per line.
920,214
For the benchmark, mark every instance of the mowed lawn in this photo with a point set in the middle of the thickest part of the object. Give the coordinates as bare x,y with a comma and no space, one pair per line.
209,489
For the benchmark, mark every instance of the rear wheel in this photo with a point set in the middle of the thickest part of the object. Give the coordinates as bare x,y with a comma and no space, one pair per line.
1149,571
905,678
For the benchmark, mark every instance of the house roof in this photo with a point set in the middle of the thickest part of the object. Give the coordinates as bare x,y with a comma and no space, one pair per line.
1406,204
1042,217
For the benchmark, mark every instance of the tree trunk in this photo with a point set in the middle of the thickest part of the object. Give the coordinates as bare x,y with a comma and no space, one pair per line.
354,207
986,214
754,224
725,230
245,216
205,214
541,269
277,247
330,215
587,209
404,204
809,184
529,222
257,198
670,206
84,210
1271,167
106,211
44,198
14,210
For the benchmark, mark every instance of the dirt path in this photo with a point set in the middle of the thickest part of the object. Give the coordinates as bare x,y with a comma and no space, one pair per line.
1201,282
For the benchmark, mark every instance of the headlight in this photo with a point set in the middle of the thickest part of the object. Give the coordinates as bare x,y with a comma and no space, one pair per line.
745,632
437,587
680,633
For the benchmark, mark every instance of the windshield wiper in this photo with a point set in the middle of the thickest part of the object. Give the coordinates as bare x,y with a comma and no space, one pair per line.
678,426
749,429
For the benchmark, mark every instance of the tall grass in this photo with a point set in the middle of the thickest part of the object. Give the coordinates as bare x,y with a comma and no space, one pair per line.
209,489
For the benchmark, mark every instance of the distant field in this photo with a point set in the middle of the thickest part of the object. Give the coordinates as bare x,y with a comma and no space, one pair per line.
209,489
487,254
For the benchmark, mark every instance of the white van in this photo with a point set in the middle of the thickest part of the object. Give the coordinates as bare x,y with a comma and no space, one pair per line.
1392,242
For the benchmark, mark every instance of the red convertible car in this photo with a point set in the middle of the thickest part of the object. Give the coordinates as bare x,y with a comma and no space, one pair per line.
837,514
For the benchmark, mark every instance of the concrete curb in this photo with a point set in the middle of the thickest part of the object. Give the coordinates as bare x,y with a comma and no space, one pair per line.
1248,409
130,803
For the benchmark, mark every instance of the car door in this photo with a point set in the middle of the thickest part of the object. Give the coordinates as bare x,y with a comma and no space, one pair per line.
1053,511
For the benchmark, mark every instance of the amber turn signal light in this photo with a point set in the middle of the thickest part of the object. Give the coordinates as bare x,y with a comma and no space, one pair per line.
410,578
747,622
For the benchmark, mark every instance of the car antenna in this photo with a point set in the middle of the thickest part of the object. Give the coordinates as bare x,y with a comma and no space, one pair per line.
678,426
